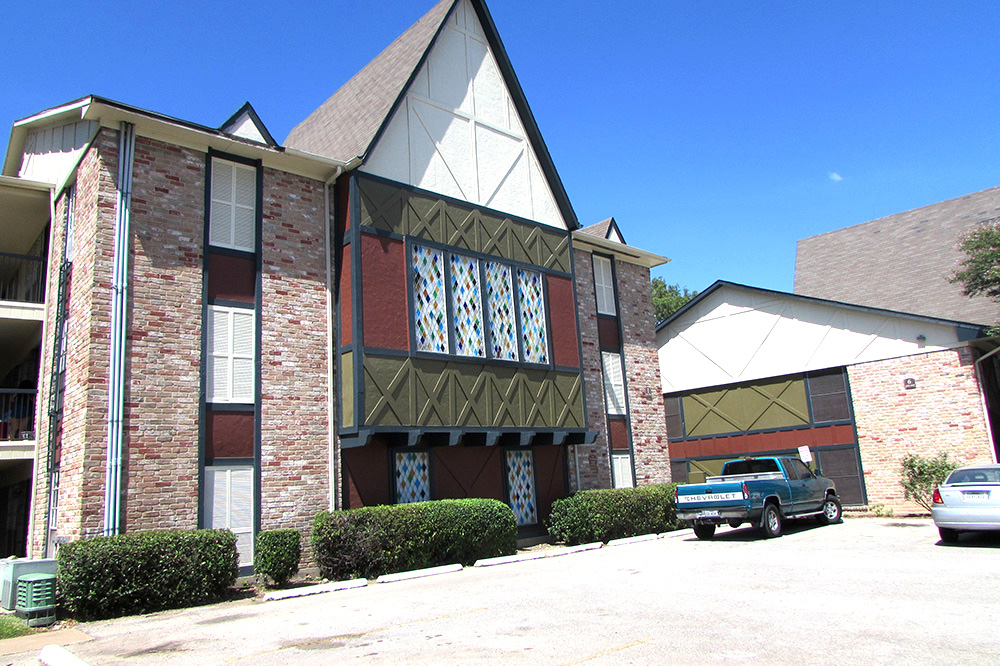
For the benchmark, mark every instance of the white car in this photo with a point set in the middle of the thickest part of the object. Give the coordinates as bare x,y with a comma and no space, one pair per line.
969,500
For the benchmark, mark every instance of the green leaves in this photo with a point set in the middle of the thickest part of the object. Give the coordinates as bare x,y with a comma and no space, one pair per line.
602,515
980,272
146,571
376,540
920,476
669,299
276,554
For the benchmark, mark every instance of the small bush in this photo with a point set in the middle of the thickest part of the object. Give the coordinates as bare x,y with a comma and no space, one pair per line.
920,476
146,571
276,555
376,540
617,513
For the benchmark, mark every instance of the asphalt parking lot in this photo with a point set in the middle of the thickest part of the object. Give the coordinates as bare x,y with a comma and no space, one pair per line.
869,590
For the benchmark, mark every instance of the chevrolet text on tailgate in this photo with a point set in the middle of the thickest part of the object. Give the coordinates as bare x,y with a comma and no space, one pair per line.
762,491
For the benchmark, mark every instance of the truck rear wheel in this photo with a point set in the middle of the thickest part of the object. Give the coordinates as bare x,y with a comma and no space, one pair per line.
770,521
704,531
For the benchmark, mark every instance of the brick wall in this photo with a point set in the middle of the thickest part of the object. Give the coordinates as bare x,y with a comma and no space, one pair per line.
642,375
942,414
590,464
165,308
295,455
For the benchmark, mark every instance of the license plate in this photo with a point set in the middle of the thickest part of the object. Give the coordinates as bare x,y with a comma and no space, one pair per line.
708,514
975,496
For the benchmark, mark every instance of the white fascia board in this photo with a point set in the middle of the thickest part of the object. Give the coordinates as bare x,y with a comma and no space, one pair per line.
177,133
15,146
626,253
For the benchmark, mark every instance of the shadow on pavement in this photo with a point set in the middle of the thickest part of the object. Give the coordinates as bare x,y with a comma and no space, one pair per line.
747,532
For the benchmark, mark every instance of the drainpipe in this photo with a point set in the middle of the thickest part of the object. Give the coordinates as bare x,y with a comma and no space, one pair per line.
119,327
331,347
982,399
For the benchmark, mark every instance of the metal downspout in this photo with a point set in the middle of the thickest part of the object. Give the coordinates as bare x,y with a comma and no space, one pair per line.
331,354
119,321
982,399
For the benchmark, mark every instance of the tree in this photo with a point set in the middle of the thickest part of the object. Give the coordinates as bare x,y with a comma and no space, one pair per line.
668,299
920,476
979,274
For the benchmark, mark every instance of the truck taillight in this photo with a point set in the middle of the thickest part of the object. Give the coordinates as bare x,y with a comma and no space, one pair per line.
936,497
746,493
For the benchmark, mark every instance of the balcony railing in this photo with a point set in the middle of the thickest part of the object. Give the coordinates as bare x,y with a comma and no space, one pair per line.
17,414
22,278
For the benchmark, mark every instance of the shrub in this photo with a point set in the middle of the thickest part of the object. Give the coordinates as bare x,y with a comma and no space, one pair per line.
920,476
606,514
276,555
371,541
146,571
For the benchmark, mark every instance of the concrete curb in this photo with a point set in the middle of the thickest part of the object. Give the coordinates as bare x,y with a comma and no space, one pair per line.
555,552
316,589
419,573
57,655
636,539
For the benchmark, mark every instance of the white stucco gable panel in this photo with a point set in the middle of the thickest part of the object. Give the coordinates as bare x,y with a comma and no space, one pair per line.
50,153
456,132
739,334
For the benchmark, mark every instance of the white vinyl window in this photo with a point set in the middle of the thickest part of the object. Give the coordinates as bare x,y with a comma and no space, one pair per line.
230,355
233,212
614,382
229,505
604,286
621,470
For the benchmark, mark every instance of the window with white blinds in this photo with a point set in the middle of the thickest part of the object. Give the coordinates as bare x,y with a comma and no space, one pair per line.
230,355
228,505
604,286
614,382
233,212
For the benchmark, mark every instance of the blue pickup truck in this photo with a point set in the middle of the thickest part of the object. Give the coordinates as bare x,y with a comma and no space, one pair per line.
762,491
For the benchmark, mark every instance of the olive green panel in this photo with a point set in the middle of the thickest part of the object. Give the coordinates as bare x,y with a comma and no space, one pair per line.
398,210
700,470
407,392
347,389
767,405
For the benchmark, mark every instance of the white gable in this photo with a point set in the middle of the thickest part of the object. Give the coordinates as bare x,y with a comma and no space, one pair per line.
51,153
245,128
457,132
735,335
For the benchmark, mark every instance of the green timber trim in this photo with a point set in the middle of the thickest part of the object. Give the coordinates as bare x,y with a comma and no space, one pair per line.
396,209
764,405
427,393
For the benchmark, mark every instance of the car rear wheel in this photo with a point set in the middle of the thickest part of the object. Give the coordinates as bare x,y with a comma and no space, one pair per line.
948,535
770,521
704,531
831,511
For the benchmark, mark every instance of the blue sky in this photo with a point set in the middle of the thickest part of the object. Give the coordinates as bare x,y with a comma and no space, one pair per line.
716,133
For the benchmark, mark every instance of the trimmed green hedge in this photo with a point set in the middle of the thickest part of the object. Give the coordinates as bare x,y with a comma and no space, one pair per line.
276,554
615,513
376,540
146,571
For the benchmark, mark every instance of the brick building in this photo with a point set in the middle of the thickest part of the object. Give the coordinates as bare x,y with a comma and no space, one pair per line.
232,332
752,371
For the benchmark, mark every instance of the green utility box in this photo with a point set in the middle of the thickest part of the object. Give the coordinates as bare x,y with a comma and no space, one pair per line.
36,599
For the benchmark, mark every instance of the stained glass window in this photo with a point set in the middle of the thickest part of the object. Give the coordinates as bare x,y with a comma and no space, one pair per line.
430,311
533,334
467,306
413,480
500,302
521,486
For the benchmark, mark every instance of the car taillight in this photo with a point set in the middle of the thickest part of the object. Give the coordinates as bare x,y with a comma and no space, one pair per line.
936,497
746,493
